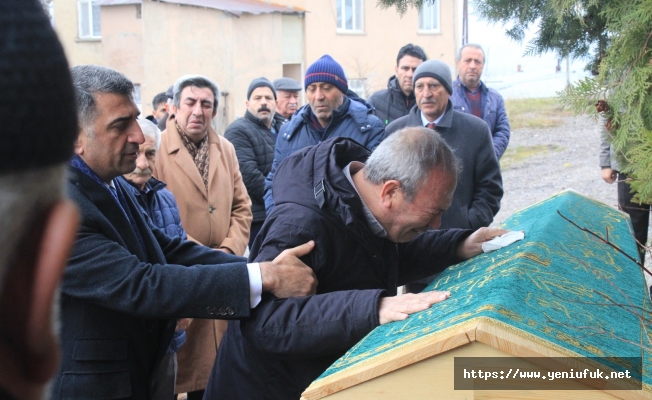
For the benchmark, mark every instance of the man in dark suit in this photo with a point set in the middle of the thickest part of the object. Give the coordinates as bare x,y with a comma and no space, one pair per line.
127,282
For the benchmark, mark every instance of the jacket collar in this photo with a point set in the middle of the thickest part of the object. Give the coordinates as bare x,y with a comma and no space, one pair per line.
394,89
174,140
185,161
256,120
458,83
446,120
357,110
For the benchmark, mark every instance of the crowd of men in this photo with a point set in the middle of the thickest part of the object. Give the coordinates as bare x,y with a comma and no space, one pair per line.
142,267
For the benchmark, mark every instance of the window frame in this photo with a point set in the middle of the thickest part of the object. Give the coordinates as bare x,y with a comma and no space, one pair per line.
90,27
431,8
340,14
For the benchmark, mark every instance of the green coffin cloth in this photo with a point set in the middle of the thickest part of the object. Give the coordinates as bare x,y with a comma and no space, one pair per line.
560,285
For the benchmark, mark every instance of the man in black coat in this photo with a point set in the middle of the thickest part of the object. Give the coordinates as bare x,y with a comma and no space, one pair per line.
374,225
253,138
127,282
397,100
480,187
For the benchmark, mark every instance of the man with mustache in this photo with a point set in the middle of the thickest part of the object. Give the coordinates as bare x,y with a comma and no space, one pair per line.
287,102
253,138
397,100
479,189
201,169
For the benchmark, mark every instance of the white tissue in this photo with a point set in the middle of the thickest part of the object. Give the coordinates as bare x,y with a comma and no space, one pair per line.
502,241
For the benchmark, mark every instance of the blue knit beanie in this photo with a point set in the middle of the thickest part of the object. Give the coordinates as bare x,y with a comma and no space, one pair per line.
327,70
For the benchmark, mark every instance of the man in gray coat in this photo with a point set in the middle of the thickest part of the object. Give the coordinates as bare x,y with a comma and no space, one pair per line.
479,189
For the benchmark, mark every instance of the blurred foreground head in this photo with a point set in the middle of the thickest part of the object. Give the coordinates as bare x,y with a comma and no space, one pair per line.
37,135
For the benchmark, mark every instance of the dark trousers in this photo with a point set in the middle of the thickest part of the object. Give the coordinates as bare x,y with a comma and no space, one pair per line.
165,377
638,213
198,395
255,228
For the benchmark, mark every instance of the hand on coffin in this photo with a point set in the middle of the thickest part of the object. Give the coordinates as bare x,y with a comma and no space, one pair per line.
472,245
397,308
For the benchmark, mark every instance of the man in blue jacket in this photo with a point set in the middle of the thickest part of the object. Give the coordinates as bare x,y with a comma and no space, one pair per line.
329,113
472,96
374,219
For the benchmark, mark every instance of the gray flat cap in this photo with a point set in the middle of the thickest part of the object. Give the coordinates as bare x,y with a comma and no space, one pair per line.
287,84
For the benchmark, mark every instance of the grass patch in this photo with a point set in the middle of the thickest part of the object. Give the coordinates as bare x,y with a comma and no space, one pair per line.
521,153
535,113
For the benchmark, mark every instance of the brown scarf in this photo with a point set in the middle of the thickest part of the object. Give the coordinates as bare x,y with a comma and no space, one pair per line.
198,152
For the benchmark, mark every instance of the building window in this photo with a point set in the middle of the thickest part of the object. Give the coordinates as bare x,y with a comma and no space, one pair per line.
429,17
349,15
359,86
137,96
89,19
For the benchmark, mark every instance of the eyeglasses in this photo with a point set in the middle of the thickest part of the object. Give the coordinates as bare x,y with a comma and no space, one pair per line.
432,86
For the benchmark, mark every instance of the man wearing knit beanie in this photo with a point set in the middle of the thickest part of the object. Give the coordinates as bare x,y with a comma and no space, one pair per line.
38,223
479,186
329,113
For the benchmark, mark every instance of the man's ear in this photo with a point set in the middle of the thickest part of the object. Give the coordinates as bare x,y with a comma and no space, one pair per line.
29,349
215,111
389,192
80,143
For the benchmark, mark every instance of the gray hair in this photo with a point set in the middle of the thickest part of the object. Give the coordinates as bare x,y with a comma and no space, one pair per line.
409,156
474,46
91,79
150,130
24,196
196,81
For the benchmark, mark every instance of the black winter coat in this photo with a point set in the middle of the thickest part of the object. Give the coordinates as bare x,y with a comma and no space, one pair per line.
480,185
254,147
287,343
391,103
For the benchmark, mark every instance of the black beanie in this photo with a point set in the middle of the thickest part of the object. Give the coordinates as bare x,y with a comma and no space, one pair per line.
260,82
38,112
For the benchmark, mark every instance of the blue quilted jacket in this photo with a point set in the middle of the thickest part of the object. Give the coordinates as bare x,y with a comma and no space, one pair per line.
161,207
354,119
493,113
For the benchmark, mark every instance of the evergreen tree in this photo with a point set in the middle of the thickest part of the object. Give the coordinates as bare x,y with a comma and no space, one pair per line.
614,35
